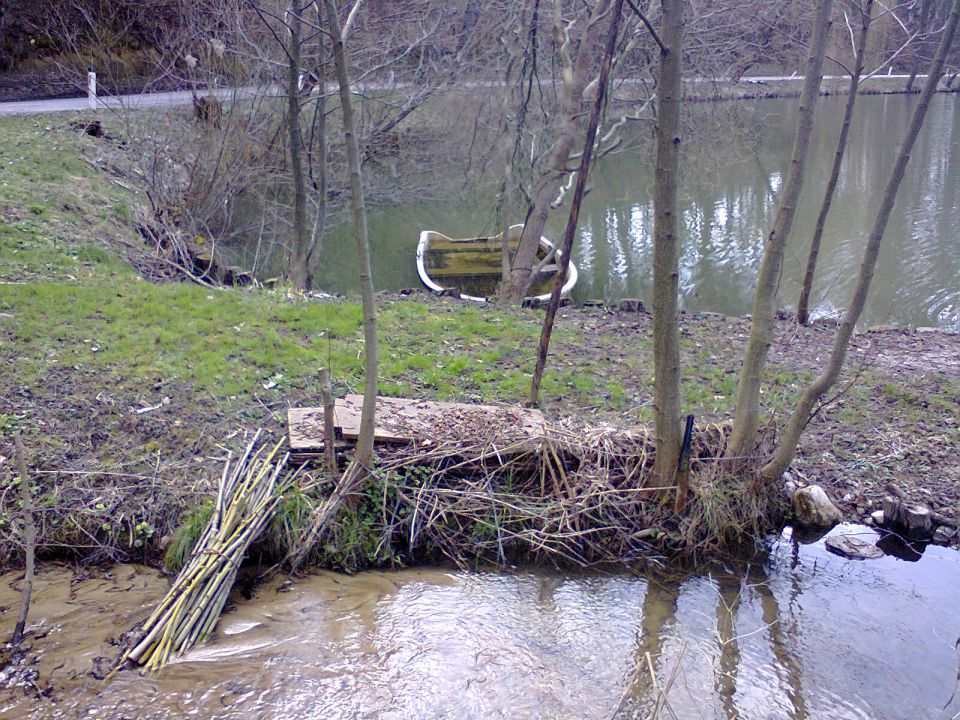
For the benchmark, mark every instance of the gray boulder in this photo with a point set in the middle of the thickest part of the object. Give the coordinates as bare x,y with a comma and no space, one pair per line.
812,506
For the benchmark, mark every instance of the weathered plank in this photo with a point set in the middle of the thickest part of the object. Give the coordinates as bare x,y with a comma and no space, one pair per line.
399,420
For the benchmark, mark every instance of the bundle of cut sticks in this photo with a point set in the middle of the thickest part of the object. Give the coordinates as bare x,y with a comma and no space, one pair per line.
250,491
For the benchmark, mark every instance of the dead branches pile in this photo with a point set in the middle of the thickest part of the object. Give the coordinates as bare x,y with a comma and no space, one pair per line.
574,496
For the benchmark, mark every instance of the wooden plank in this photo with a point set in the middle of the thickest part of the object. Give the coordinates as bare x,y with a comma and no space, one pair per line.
455,245
398,420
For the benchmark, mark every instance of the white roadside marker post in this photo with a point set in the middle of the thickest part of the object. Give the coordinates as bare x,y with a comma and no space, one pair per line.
92,89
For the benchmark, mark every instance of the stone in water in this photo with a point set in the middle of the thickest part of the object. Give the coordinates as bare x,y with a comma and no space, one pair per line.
852,547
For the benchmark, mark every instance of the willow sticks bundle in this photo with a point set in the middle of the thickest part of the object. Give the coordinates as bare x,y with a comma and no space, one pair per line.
250,491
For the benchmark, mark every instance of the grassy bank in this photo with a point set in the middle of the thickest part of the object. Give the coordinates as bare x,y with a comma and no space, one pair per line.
128,392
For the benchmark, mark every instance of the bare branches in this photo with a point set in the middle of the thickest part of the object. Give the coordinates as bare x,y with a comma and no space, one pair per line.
648,25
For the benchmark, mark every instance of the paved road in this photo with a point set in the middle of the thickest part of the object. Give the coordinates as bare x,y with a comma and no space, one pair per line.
168,99
144,100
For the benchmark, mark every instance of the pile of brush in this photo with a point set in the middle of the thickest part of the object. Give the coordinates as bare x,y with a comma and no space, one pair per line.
576,496
250,490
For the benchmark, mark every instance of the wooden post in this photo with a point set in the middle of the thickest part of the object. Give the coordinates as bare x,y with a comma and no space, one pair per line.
92,89
29,536
683,469
329,450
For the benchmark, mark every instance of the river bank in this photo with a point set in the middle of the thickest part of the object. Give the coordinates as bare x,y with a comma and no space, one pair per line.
129,392
127,423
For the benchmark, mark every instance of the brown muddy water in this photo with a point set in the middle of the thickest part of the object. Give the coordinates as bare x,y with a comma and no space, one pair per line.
805,635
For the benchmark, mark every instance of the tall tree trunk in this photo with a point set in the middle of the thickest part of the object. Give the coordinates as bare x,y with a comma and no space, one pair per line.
364,452
29,538
666,247
803,305
299,272
816,390
918,55
574,217
574,81
747,416
317,162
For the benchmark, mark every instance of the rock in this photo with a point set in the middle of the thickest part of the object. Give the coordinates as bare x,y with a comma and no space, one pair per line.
883,329
634,305
852,547
594,303
942,535
789,488
812,506
94,129
848,498
893,514
941,519
919,523
877,517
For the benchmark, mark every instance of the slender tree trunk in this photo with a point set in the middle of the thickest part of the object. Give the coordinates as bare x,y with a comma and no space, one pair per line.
666,247
299,273
574,73
747,415
803,305
364,452
506,208
318,166
918,58
329,424
29,538
506,197
574,216
816,390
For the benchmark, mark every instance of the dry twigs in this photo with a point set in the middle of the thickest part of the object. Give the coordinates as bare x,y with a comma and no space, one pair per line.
480,490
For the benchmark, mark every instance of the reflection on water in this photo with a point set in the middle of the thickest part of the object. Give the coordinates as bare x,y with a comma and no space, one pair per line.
806,635
728,201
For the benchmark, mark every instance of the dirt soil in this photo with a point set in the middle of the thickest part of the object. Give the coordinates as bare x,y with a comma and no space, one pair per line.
906,382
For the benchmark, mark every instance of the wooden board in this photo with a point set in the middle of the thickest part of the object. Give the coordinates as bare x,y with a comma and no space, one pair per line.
469,256
401,420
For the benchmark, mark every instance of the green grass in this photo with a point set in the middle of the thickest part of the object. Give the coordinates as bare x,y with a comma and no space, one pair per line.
77,305
74,304
58,213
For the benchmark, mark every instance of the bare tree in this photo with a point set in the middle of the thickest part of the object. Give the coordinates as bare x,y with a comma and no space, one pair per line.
571,229
298,268
363,458
923,26
666,247
865,9
575,51
746,420
819,387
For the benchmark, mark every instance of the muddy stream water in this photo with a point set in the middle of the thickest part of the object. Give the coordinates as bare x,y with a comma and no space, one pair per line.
805,634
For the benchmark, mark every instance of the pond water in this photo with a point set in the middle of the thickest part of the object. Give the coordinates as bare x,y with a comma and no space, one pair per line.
805,634
728,200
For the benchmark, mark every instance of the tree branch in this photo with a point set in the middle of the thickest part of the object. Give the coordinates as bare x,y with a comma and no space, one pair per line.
652,31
